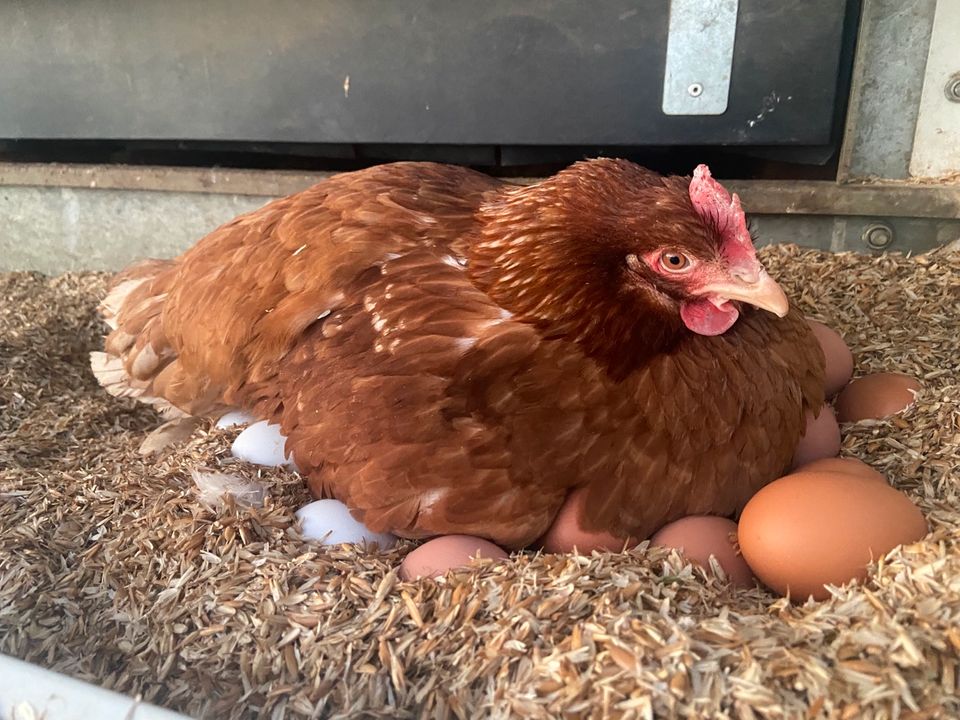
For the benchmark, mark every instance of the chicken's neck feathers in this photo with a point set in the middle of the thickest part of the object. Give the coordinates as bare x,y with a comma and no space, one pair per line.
524,259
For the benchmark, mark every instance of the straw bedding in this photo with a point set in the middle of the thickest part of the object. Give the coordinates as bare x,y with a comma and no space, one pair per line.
113,571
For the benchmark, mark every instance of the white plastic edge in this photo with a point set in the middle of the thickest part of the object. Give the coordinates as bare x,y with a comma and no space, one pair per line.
28,691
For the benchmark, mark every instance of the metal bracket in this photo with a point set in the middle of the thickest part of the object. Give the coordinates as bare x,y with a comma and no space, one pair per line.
699,56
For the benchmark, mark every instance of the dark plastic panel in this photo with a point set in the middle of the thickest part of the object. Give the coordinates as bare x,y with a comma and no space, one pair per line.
492,72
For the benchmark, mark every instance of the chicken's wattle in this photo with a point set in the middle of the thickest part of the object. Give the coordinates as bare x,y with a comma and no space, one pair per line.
707,317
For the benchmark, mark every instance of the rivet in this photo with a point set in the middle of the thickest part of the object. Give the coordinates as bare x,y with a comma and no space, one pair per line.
695,90
877,236
952,88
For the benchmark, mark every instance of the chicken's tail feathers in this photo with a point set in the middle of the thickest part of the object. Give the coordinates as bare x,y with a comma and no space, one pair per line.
110,372
125,283
136,352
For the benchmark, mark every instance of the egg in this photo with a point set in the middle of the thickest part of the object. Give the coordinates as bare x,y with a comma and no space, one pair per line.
876,396
814,528
699,537
330,522
262,444
235,418
839,359
849,466
821,438
448,552
567,535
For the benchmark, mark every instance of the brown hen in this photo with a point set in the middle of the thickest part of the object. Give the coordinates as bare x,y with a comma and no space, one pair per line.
450,353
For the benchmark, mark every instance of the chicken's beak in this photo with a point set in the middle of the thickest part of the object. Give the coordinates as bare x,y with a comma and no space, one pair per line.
754,287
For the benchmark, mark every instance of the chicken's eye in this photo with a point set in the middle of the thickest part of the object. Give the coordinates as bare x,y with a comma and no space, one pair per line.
674,261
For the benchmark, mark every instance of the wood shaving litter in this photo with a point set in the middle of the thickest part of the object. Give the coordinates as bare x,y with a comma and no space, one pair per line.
112,571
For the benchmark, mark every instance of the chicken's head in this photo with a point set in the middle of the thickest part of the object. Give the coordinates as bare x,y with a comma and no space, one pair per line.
710,269
622,260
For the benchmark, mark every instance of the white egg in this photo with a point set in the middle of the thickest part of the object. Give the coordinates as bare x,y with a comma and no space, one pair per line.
262,444
235,417
330,522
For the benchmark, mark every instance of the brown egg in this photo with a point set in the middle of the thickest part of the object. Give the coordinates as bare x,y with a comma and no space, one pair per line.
876,396
699,537
812,528
838,356
821,439
848,466
566,534
447,552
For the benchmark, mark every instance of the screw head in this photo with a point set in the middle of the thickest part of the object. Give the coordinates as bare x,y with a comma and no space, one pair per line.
695,90
952,88
877,236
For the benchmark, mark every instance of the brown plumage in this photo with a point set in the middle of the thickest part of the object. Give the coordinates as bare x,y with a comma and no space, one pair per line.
449,353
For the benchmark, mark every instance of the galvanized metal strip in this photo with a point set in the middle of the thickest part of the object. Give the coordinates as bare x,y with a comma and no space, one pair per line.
892,44
936,144
699,56
820,197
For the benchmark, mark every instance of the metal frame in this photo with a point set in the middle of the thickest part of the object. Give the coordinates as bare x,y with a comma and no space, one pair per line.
762,197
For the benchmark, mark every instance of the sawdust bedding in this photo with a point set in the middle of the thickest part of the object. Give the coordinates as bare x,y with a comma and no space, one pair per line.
112,571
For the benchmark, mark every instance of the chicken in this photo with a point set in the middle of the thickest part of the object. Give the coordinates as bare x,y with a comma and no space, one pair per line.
451,353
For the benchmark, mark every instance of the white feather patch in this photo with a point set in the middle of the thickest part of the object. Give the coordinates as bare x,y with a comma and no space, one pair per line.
465,343
212,487
108,370
111,304
429,499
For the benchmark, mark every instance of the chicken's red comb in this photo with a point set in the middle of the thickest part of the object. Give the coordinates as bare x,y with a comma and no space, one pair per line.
715,205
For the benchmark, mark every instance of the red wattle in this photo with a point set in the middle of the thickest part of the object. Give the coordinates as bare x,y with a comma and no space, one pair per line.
705,318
